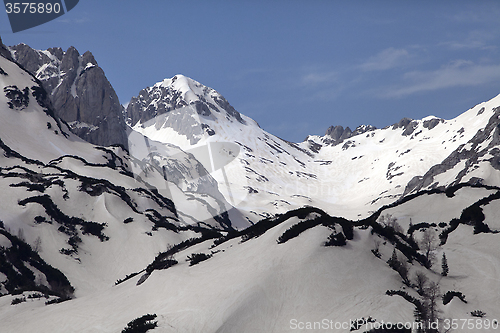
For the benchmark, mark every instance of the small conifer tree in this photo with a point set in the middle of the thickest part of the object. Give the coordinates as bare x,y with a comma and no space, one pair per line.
444,266
394,261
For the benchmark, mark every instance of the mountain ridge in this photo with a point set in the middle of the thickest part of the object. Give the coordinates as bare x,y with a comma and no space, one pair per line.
312,165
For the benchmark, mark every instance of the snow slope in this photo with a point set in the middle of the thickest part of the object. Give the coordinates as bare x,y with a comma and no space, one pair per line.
259,285
382,162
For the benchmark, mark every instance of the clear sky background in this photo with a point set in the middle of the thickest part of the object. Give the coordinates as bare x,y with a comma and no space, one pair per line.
296,67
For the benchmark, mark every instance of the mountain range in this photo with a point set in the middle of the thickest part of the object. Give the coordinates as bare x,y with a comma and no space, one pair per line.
180,209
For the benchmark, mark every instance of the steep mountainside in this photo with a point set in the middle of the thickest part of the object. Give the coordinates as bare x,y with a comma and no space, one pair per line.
83,202
79,91
253,166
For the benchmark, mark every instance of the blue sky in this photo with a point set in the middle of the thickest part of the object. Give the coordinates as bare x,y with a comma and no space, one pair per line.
296,67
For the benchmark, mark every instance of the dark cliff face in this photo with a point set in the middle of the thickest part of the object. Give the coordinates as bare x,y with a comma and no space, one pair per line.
338,133
4,52
80,92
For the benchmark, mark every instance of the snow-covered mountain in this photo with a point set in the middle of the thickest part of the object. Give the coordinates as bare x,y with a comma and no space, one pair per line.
349,173
257,166
83,202
395,158
356,222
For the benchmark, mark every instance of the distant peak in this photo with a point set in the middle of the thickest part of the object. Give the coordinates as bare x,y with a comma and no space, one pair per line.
175,93
178,79
72,50
190,90
337,134
88,57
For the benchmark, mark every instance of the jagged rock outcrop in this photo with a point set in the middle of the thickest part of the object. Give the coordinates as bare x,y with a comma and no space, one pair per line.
175,93
337,134
4,52
79,91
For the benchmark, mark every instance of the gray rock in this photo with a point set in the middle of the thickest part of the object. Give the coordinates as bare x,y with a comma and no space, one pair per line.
313,146
402,123
363,129
4,51
430,124
410,128
408,124
79,91
337,134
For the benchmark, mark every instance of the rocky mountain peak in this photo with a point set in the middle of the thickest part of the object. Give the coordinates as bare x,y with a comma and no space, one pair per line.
4,52
88,58
174,94
70,60
79,90
56,52
337,134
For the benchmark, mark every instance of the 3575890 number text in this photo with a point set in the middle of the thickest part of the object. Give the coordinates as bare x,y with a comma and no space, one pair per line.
32,8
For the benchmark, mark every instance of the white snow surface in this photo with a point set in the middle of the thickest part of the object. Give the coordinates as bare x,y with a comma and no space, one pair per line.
261,286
